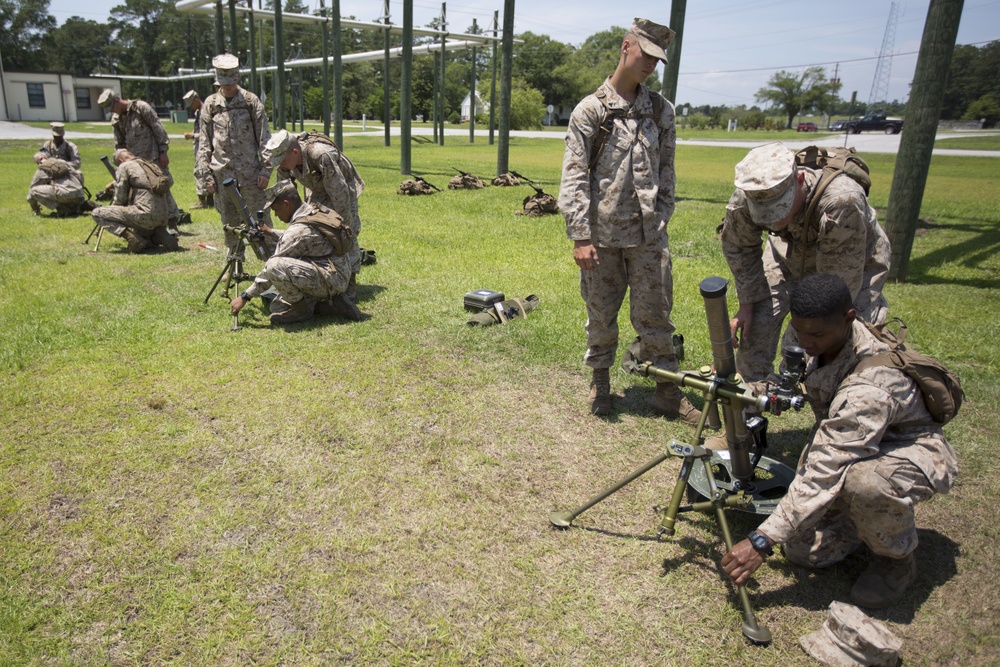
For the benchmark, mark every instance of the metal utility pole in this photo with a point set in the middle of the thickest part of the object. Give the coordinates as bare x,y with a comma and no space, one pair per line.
671,70
279,60
493,89
405,101
234,42
503,148
386,103
253,51
326,70
220,34
917,141
444,69
338,76
472,89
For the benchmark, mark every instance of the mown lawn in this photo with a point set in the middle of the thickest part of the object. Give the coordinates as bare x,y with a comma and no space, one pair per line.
378,493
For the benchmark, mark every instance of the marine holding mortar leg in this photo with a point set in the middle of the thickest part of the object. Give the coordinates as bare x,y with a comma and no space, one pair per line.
875,452
310,268
329,177
617,196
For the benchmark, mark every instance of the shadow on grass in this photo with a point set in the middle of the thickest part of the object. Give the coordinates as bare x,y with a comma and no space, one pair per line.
816,589
981,246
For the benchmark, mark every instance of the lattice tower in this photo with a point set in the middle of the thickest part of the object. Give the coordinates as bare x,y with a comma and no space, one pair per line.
880,84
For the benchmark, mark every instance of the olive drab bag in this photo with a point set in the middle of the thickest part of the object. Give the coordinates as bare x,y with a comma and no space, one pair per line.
834,161
940,386
54,167
159,182
333,228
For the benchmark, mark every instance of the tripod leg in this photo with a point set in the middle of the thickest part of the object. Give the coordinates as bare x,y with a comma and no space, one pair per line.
564,519
228,267
87,241
100,235
756,633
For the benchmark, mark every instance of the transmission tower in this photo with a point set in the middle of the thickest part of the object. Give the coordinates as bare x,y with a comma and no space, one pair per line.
880,84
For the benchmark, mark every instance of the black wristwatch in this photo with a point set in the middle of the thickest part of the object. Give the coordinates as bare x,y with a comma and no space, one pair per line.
761,543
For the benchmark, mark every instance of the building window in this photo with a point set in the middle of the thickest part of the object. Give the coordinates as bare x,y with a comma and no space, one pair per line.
36,96
83,98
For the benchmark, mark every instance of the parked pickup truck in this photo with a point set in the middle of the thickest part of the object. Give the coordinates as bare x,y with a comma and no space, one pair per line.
874,122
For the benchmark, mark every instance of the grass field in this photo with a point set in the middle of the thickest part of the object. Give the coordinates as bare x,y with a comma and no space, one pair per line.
173,493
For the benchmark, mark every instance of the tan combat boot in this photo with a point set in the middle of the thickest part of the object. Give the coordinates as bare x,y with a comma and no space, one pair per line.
672,404
884,582
300,311
340,306
136,243
200,204
600,392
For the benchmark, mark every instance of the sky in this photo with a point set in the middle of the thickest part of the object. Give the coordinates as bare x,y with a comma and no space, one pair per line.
730,47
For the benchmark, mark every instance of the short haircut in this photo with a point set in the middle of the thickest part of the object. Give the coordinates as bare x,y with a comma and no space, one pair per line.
821,295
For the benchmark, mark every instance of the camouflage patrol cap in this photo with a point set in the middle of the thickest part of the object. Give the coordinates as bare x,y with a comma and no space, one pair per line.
227,68
189,97
766,176
849,638
280,190
107,98
58,129
277,146
653,37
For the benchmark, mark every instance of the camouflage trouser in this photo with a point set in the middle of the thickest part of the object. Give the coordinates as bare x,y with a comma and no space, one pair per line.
116,219
51,195
646,272
875,507
231,215
296,280
755,356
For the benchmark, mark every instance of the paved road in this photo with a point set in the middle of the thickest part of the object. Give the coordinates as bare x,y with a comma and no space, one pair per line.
865,143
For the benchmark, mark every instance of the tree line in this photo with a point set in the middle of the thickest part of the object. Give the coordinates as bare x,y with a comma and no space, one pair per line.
150,37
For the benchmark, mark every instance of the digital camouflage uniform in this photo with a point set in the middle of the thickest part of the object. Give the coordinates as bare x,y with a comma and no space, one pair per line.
330,179
623,207
506,180
200,179
234,133
874,453
136,206
466,182
140,132
538,205
57,192
304,264
65,150
848,243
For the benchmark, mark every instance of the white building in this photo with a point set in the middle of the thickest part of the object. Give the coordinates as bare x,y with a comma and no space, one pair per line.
52,96
467,107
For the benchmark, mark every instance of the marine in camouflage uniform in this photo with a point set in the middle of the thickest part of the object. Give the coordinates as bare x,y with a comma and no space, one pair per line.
59,147
874,452
55,185
772,197
138,130
234,129
307,271
137,214
329,177
205,198
617,215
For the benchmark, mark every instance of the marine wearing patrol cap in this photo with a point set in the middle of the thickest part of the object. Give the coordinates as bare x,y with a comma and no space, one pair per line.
107,98
653,37
849,638
188,98
280,190
277,146
227,69
766,176
58,129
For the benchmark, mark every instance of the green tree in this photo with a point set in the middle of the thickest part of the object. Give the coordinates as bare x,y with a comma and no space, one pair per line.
80,46
538,61
794,94
974,73
526,107
24,25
